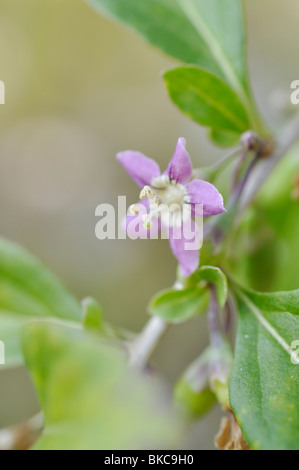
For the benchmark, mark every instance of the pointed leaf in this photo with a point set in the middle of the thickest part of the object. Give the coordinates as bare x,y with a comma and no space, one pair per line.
215,276
176,306
206,99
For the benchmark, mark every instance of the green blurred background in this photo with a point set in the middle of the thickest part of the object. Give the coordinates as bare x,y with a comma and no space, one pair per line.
78,90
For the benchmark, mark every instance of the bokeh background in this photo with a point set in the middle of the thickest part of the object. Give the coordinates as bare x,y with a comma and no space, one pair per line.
78,90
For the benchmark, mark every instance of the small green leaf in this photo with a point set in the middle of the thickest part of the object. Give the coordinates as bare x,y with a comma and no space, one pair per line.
206,99
90,399
265,382
176,306
93,318
215,276
93,321
27,291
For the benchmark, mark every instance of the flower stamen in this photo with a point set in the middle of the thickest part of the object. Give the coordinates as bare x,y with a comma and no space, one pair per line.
133,210
147,192
147,221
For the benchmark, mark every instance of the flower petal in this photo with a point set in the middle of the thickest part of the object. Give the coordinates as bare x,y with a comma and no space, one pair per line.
141,168
180,167
202,192
188,258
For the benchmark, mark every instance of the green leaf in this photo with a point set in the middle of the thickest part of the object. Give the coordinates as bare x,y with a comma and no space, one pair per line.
177,306
215,276
264,383
209,34
285,302
28,290
224,139
206,99
90,399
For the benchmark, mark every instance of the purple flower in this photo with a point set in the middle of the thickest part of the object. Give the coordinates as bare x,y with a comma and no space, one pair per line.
168,193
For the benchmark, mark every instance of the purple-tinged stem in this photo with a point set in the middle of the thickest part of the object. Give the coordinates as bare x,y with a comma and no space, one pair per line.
241,186
284,142
214,325
238,168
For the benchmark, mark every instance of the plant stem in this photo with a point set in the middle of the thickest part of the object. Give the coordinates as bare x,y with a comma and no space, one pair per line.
142,348
211,173
23,436
230,314
227,159
237,171
242,185
218,228
285,141
145,343
215,334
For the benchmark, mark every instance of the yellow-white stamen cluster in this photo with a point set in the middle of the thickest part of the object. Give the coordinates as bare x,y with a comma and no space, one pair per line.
165,197
133,210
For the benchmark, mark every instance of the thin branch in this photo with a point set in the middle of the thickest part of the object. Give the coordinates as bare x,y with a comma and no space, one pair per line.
285,141
23,436
227,159
230,314
146,342
214,326
242,185
142,348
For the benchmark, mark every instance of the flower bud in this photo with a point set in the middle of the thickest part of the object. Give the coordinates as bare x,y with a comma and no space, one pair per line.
192,391
220,368
250,140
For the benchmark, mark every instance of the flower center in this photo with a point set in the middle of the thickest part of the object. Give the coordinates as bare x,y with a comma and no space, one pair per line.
168,192
166,198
